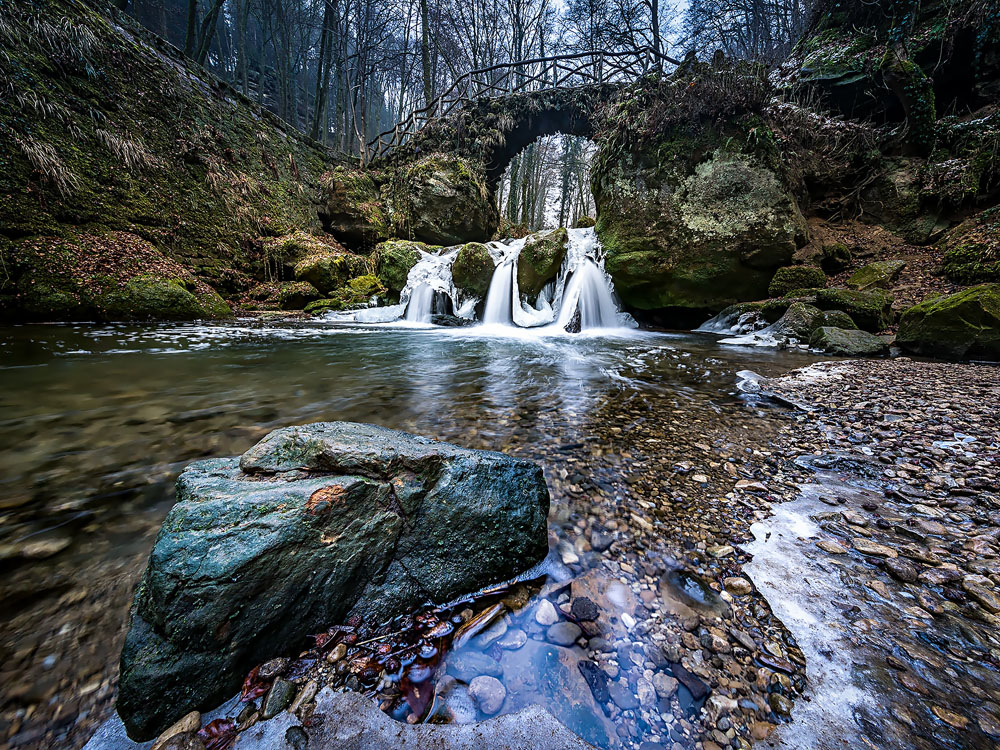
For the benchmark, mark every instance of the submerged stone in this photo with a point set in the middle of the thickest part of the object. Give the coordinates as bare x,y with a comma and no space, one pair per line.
311,525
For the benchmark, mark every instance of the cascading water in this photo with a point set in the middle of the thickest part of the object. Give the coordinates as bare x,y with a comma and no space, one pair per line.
580,290
419,308
588,293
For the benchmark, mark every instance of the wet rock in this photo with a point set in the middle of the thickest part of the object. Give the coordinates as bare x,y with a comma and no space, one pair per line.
466,665
183,741
305,499
297,738
563,633
584,609
847,343
513,639
868,547
622,695
545,613
540,259
831,547
189,723
780,704
695,685
278,698
664,684
958,326
597,679
488,693
737,586
987,598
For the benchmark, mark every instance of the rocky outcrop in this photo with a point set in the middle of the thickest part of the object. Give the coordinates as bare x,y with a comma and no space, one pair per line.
354,209
445,202
329,270
870,309
394,259
540,259
473,269
965,325
358,292
847,342
792,278
700,229
311,525
296,295
123,135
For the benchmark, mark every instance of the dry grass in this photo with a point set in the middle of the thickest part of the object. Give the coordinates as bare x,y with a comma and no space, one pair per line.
46,161
133,154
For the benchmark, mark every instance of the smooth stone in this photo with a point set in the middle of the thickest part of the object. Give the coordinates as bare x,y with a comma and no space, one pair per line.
563,633
279,697
622,695
867,547
466,665
545,613
488,693
737,585
780,704
273,668
513,639
664,684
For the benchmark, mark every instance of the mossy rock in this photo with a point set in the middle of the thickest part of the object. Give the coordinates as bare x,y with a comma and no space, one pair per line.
445,202
835,258
354,210
972,249
296,295
690,224
283,253
473,269
799,321
796,277
328,271
540,260
965,325
871,309
394,259
847,342
839,319
879,274
585,222
152,298
802,294
358,292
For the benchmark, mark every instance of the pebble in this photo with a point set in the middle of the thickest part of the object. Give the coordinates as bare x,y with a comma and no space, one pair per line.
545,613
563,633
488,693
867,547
737,585
622,695
664,684
188,723
278,698
513,639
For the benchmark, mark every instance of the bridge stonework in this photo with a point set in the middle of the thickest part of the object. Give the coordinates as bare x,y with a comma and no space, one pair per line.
490,132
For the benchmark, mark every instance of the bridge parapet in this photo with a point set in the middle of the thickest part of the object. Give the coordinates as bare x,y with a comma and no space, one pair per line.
595,67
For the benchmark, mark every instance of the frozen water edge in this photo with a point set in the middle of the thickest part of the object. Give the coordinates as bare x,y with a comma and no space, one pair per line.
802,590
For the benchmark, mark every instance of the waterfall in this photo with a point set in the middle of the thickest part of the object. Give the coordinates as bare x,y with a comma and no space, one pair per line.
589,294
581,297
419,308
501,297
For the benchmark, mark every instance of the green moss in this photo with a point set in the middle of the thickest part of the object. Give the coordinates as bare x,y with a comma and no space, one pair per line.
879,274
585,222
835,258
473,269
296,295
394,259
796,277
328,271
871,310
956,326
357,292
540,260
972,251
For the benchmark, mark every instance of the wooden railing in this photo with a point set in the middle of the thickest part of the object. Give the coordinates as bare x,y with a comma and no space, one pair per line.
538,74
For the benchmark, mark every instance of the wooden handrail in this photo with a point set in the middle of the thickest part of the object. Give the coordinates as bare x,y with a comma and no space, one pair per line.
601,67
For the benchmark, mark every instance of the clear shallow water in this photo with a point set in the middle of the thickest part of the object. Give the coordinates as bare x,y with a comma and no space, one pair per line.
97,421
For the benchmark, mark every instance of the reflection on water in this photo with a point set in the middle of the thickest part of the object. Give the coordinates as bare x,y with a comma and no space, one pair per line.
97,421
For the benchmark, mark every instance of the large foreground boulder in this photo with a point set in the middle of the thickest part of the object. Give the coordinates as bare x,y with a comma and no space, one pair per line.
965,325
311,525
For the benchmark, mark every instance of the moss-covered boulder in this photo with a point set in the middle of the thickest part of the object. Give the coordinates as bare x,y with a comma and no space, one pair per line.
972,249
281,254
354,210
111,276
879,274
847,342
798,322
473,269
357,292
295,295
445,202
540,260
871,309
965,325
791,278
690,232
328,271
394,259
835,258
585,222
839,319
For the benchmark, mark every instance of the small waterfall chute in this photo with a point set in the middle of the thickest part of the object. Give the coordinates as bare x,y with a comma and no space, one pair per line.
588,294
420,305
502,294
